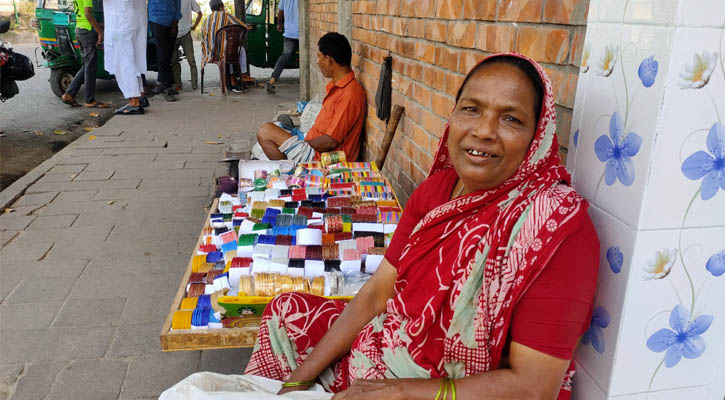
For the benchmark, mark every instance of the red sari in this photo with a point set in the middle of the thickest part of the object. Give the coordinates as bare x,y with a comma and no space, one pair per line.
465,267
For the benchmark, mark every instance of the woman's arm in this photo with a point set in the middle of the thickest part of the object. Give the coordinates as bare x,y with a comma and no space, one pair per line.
532,375
367,303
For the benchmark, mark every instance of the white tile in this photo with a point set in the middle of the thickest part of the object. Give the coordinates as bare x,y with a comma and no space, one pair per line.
638,107
584,387
585,74
701,13
716,391
687,116
610,11
690,393
614,238
651,12
649,304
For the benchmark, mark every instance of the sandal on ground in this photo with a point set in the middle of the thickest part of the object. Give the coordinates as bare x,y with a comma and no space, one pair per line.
271,88
96,104
144,102
129,110
71,103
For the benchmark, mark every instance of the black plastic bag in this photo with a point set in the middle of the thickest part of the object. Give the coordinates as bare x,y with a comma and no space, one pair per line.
383,95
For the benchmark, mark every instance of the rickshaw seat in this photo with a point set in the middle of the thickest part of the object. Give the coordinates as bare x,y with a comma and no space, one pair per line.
227,46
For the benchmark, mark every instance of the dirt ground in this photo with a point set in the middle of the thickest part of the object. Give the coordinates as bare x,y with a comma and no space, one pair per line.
22,152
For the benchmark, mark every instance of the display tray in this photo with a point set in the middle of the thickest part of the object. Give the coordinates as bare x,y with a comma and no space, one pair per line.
189,339
244,332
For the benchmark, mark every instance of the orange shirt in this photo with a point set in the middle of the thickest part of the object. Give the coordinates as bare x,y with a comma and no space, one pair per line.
342,116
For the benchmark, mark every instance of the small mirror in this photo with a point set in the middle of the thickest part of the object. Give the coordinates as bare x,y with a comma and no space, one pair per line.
4,25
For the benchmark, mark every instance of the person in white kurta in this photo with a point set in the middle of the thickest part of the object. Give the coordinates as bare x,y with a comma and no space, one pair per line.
126,25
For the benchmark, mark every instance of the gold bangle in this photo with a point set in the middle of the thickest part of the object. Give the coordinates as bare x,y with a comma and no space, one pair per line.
297,384
453,387
440,389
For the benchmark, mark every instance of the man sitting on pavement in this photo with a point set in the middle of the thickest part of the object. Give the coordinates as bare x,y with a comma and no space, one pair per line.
340,121
218,19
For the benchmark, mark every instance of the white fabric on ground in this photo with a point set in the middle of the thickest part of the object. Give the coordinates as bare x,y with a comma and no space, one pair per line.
213,386
125,29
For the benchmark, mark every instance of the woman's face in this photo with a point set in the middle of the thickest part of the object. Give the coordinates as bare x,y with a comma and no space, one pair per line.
492,126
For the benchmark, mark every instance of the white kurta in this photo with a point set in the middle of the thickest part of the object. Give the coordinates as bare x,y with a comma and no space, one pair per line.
125,29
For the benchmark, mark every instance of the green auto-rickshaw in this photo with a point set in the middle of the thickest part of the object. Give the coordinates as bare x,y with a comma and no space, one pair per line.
55,22
264,41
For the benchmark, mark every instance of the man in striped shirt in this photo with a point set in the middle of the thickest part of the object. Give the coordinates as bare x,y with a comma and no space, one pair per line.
218,19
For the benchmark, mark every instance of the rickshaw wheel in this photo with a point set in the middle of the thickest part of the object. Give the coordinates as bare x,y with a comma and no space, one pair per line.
60,79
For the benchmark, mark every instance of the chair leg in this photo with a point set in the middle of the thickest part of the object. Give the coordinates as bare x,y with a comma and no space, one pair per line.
223,77
202,80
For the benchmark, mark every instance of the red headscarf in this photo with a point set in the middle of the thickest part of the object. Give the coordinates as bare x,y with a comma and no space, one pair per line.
470,260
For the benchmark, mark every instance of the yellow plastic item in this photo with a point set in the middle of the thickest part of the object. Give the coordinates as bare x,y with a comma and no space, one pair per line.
182,319
197,262
188,303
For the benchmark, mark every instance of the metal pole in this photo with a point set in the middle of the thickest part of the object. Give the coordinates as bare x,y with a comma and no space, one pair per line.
15,10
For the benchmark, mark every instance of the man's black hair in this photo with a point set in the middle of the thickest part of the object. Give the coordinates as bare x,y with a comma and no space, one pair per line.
524,66
335,45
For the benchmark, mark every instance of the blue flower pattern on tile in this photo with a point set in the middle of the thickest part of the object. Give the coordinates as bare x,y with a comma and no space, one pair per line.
617,152
683,340
648,71
576,138
710,166
595,333
615,259
716,263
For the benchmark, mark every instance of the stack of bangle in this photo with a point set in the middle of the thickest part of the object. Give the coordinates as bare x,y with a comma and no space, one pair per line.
445,382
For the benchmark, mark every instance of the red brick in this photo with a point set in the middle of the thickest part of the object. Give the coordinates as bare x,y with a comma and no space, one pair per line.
414,71
407,8
413,111
567,12
519,10
434,77
382,7
376,22
383,40
462,34
387,24
543,44
398,65
433,124
442,104
563,125
357,33
496,38
436,30
405,47
357,20
416,29
433,145
401,83
453,83
371,7
577,43
425,52
480,9
422,95
448,9
419,136
468,60
393,7
399,26
425,8
447,58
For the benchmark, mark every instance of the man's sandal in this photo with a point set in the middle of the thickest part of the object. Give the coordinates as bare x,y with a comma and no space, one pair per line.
71,103
130,110
96,104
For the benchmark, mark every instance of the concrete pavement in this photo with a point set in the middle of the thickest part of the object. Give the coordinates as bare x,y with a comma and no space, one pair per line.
97,242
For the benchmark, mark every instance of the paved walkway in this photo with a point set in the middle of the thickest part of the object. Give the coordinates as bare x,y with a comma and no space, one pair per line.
94,250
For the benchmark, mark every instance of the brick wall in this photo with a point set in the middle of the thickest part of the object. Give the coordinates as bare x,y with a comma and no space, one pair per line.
433,44
323,19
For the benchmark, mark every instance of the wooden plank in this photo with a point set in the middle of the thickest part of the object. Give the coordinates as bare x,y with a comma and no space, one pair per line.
225,338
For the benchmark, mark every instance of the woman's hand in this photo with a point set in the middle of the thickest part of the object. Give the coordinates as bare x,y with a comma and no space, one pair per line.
390,389
373,389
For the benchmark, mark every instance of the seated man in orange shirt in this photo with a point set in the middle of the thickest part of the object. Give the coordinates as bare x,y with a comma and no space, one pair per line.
339,123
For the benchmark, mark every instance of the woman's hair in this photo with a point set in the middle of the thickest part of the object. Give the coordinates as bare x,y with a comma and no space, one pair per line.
335,45
524,66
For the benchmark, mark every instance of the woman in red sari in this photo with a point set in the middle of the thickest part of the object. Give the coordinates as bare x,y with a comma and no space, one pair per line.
488,282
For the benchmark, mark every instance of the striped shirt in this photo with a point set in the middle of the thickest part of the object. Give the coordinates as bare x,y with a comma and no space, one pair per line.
214,22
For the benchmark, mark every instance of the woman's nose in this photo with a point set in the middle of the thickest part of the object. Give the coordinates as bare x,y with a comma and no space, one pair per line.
485,127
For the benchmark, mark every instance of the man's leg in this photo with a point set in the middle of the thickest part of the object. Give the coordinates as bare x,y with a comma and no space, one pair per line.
290,45
187,43
176,64
270,138
164,46
88,41
79,78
